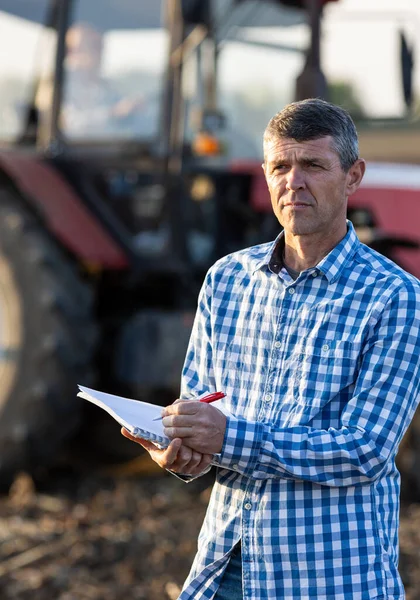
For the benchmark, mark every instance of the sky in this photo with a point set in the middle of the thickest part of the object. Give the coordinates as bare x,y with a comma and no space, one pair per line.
360,46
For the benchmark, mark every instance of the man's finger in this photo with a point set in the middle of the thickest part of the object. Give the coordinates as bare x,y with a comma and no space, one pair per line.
183,458
126,433
196,459
171,452
179,421
147,445
177,432
183,407
202,465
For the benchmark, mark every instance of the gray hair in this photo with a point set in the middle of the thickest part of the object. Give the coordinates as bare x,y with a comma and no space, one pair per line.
315,118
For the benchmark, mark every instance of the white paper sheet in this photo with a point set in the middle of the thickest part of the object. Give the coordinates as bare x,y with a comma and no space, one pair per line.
136,416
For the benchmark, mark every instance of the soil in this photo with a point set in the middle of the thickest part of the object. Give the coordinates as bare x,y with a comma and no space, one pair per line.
127,532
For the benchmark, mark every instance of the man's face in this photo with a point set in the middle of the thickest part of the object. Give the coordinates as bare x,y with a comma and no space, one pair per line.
308,187
83,49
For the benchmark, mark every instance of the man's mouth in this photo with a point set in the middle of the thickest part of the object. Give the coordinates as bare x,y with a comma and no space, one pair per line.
297,205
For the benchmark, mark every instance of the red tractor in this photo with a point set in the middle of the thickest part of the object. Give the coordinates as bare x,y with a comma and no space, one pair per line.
112,207
122,180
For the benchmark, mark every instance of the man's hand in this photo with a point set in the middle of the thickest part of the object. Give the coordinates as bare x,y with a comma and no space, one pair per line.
127,106
199,425
176,457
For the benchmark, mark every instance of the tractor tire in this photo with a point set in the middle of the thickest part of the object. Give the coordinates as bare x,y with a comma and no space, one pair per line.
47,339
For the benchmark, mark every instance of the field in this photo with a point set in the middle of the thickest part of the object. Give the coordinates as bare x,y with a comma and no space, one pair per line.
105,533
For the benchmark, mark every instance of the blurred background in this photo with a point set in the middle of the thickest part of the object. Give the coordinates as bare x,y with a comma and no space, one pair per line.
130,160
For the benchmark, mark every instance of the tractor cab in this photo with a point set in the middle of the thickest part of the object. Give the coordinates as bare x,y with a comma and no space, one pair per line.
118,128
89,104
82,58
126,102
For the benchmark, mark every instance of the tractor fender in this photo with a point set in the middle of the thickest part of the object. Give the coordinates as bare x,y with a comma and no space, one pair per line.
64,214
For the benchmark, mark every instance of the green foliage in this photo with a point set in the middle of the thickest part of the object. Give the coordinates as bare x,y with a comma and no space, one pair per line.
344,94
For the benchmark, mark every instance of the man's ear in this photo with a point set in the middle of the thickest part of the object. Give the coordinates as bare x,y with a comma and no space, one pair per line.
264,168
355,176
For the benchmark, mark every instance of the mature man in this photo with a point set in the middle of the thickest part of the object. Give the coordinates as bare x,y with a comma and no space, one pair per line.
315,340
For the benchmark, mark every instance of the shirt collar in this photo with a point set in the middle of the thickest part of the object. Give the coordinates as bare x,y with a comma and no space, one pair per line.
269,254
331,265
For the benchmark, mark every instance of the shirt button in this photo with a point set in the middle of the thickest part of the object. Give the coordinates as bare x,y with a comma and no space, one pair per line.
314,274
268,397
325,348
277,345
291,290
248,506
235,465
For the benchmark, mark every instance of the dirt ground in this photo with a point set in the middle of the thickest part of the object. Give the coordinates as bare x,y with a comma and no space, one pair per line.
120,532
98,537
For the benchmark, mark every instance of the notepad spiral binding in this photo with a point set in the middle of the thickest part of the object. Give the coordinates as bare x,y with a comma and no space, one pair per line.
151,437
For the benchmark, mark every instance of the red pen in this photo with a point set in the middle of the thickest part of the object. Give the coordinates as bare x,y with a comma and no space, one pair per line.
207,398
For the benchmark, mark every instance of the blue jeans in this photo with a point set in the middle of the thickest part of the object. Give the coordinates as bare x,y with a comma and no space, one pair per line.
231,584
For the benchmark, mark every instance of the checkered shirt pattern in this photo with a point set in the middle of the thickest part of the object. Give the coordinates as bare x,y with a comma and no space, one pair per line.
322,380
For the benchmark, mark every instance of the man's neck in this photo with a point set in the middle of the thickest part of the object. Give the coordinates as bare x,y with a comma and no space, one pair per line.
304,252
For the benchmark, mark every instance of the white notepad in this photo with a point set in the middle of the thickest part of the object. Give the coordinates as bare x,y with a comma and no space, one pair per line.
136,416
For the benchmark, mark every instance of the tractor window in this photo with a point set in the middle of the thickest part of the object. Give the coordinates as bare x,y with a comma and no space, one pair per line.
362,53
26,54
115,59
251,96
260,53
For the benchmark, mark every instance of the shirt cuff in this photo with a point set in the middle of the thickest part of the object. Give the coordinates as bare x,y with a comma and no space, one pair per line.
188,478
241,445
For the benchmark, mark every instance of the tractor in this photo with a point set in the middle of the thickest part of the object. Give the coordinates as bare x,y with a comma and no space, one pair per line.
115,198
122,179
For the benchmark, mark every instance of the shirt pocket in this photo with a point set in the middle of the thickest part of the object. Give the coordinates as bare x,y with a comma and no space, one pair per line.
229,365
324,368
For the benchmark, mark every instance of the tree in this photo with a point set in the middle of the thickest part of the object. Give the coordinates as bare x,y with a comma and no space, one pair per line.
344,94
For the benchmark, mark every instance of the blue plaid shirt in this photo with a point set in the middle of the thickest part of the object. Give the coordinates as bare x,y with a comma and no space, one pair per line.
322,380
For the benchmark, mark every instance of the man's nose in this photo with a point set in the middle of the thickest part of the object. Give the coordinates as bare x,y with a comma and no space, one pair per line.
295,179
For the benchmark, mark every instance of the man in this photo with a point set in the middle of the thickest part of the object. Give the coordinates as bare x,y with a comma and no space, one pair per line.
315,340
91,107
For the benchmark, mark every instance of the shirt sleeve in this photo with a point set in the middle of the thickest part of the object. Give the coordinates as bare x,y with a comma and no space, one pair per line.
198,374
373,422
